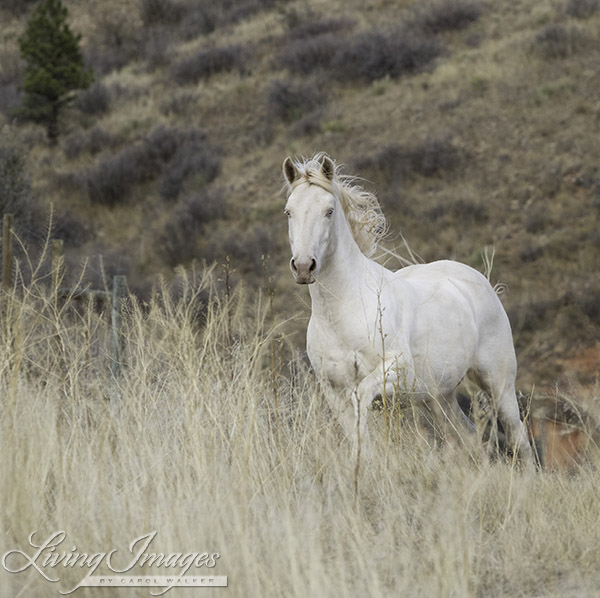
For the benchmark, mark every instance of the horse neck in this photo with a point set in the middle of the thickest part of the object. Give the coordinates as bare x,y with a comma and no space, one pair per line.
343,269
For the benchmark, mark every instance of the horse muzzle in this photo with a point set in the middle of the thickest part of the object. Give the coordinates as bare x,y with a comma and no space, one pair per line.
304,270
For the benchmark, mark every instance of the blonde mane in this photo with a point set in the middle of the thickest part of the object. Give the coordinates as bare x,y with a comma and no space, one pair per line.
361,208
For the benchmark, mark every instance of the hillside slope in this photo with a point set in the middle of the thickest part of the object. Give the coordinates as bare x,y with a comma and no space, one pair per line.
477,124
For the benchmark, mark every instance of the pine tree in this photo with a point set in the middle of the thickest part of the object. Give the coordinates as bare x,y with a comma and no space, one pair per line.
54,65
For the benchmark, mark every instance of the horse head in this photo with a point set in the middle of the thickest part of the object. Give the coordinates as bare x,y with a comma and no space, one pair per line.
310,209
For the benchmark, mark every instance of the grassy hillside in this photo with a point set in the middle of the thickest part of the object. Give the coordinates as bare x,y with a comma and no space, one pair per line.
477,124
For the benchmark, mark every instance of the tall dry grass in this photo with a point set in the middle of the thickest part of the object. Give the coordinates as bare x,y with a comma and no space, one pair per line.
215,441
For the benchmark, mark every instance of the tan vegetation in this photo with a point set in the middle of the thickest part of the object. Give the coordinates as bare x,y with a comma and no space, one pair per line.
484,132
212,441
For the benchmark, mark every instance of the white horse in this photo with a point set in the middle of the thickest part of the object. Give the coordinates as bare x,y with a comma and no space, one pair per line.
426,326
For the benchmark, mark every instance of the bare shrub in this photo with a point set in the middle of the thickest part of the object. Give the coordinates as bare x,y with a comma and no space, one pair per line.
73,231
377,54
11,75
208,62
559,41
180,102
289,101
16,7
157,12
95,100
310,124
74,144
582,9
196,158
203,16
233,11
249,247
10,98
446,15
156,48
311,43
13,66
113,178
181,234
589,302
16,194
463,211
116,40
93,142
429,158
306,54
164,142
200,18
310,27
537,220
15,186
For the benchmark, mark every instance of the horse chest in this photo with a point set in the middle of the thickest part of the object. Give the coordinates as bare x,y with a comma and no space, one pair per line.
343,355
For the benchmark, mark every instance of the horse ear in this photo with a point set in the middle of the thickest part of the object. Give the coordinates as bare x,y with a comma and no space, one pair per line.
328,167
289,170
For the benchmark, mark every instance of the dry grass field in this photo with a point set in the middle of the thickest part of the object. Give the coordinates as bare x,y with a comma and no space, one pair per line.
477,124
210,440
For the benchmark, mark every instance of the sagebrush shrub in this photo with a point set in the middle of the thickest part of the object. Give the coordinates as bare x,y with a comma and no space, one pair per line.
93,142
459,212
112,179
16,194
16,7
196,158
166,154
313,27
95,100
446,15
428,158
163,142
306,54
12,66
582,9
559,41
377,54
10,98
289,101
208,62
73,231
182,232
15,186
247,248
114,42
311,44
156,12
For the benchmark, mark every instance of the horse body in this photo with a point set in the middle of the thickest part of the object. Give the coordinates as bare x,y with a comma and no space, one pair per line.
422,328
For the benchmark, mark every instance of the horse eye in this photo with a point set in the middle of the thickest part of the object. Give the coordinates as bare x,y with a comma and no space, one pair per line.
329,213
287,213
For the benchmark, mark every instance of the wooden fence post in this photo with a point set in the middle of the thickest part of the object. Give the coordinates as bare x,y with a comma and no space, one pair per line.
119,292
7,251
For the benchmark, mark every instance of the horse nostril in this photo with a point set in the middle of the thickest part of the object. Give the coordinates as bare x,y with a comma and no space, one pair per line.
313,266
293,265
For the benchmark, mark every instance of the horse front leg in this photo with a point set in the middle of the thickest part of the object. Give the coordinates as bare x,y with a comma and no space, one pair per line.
349,408
341,407
373,385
